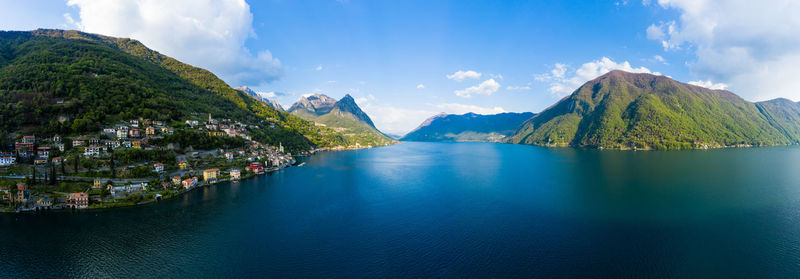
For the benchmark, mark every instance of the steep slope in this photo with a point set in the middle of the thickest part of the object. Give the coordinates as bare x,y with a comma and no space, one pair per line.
625,110
467,127
344,116
274,104
312,106
784,115
69,82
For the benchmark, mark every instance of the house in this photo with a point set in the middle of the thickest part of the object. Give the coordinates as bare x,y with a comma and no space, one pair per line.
40,161
113,144
43,151
7,159
22,194
189,183
93,151
229,156
137,144
57,139
94,141
236,174
78,200
77,142
109,131
24,150
192,122
135,133
256,168
44,202
56,161
134,123
176,180
127,144
122,133
183,165
158,167
121,191
210,175
98,184
158,123
29,139
150,131
59,146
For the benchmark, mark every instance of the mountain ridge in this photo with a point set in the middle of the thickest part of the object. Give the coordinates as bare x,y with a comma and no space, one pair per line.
100,80
467,127
622,110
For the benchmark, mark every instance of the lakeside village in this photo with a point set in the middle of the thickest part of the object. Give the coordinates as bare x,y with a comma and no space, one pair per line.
139,161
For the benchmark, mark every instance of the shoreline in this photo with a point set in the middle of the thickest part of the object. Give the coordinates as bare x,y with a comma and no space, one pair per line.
143,203
183,192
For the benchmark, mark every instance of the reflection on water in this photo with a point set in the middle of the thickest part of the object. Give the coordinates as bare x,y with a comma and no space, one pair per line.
446,210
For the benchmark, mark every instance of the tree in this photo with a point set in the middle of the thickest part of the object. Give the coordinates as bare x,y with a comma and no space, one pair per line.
33,175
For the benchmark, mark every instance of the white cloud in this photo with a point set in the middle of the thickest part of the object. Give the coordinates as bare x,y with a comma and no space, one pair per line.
661,59
488,87
462,75
210,34
752,46
395,120
456,108
271,94
708,84
318,68
361,101
561,84
420,86
518,87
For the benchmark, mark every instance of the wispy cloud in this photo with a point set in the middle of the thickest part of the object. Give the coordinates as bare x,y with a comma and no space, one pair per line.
561,84
463,75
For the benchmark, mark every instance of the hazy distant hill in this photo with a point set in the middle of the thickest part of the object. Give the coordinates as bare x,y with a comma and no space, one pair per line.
626,110
467,127
70,82
344,116
274,104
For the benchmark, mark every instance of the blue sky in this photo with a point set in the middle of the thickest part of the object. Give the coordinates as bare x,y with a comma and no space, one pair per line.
395,57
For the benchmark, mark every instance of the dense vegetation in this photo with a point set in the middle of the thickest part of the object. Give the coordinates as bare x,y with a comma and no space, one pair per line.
624,110
199,140
69,82
467,127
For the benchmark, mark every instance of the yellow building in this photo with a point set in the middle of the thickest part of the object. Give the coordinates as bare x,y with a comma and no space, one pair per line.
183,165
210,175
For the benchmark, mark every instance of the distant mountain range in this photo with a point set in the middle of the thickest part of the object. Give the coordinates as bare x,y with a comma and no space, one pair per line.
624,110
344,116
274,104
467,127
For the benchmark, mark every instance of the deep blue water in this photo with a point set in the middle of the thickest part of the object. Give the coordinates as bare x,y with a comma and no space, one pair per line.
446,210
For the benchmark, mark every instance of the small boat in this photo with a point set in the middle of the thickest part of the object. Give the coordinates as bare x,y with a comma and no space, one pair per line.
301,164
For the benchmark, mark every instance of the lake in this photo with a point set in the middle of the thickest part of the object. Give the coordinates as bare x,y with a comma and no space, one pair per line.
446,210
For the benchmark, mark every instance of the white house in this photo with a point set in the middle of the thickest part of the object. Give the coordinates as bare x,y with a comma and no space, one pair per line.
92,151
7,160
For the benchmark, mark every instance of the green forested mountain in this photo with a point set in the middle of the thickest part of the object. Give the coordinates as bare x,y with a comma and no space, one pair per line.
625,110
344,116
69,82
467,127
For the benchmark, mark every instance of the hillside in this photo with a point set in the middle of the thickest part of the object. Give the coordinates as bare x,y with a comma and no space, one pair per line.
344,116
467,127
625,110
69,82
